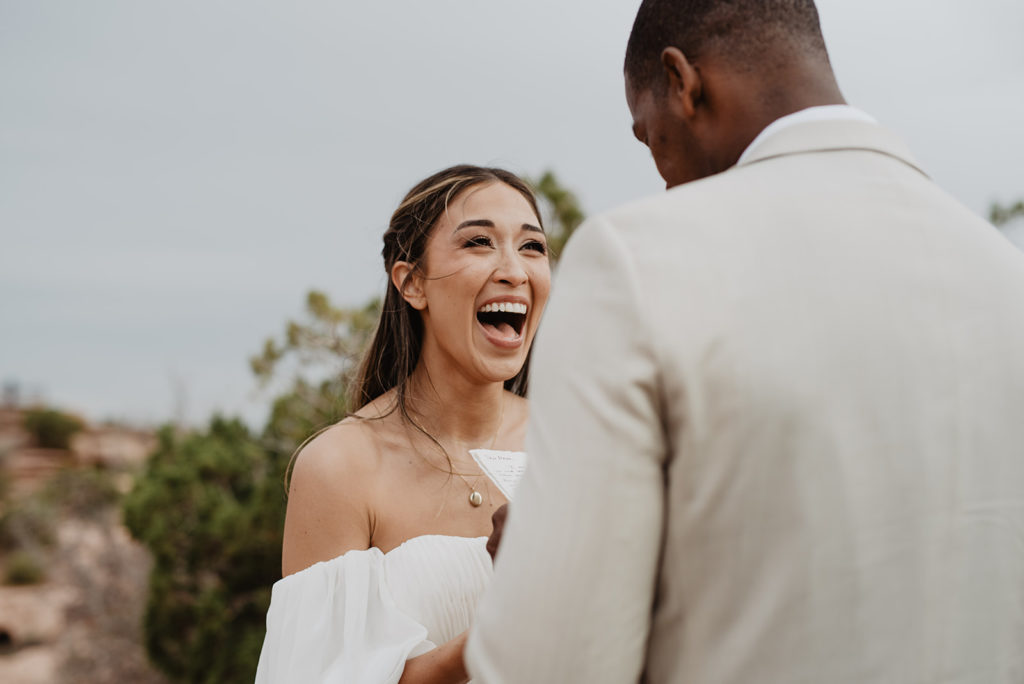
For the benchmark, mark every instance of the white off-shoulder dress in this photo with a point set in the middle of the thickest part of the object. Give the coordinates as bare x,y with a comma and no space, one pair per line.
357,618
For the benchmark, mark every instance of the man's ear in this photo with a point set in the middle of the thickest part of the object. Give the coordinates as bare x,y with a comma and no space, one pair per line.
685,87
407,279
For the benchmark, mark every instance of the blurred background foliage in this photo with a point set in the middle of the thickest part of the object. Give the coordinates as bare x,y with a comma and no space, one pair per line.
561,211
1002,215
209,506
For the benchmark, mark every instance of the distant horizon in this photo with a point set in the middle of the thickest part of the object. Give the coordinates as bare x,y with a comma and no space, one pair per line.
37,398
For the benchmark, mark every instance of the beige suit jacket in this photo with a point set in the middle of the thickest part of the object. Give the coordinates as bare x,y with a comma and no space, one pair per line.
777,435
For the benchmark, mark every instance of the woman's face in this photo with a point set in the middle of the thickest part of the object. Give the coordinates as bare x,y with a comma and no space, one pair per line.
485,281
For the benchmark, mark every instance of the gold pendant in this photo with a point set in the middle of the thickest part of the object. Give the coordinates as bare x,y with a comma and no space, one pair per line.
476,499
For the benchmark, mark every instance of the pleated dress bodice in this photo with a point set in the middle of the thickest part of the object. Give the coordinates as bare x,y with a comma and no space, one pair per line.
360,616
437,581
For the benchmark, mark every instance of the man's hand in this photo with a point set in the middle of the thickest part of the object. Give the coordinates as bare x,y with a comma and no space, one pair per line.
498,521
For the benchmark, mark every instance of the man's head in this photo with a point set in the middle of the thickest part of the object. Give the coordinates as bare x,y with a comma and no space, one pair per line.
704,77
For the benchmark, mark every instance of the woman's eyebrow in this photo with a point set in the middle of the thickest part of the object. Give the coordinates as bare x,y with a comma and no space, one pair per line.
487,223
482,223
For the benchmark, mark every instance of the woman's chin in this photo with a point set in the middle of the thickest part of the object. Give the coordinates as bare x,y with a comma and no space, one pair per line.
500,357
500,370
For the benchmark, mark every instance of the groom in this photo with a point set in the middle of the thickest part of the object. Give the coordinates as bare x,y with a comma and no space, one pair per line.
778,411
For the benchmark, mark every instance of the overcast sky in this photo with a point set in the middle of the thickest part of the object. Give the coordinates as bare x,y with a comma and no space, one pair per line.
175,175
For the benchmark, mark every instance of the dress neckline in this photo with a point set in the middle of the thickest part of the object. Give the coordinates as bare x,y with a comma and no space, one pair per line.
420,537
376,550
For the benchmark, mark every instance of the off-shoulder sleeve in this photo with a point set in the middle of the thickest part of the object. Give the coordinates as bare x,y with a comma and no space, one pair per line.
336,622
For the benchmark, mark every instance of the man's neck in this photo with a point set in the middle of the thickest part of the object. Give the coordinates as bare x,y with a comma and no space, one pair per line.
760,101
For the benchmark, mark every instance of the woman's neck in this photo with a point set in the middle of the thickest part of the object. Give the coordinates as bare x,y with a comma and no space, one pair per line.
454,410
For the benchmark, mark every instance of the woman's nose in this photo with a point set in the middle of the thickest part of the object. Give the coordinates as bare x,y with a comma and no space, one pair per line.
510,269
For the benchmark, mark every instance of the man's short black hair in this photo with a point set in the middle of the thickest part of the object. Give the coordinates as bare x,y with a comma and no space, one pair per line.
747,31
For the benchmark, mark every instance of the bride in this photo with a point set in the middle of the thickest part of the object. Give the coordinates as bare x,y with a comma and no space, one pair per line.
384,543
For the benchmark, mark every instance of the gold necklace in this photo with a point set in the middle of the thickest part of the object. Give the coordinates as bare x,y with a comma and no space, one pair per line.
476,499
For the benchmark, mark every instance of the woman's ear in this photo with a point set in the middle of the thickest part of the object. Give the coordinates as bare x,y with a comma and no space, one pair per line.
409,283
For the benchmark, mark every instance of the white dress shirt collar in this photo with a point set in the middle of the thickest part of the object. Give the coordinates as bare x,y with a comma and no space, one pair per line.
823,113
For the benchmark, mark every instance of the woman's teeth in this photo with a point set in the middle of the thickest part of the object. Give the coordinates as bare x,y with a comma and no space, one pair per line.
504,307
506,319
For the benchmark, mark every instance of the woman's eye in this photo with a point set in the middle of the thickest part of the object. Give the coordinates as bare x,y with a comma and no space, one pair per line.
479,241
536,246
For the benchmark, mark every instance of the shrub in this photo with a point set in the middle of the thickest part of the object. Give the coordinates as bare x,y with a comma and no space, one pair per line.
51,429
24,568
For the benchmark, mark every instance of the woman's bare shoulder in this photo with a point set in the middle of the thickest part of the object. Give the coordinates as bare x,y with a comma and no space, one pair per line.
344,450
330,495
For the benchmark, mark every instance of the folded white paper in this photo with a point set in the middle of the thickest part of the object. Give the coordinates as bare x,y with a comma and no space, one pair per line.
505,468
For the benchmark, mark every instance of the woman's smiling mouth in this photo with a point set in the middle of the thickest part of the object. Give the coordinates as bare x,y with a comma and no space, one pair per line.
502,322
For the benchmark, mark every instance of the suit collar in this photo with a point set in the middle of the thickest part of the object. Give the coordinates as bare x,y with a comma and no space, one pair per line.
830,136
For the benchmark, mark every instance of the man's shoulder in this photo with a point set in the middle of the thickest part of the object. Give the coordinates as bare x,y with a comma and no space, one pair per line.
658,232
714,193
706,201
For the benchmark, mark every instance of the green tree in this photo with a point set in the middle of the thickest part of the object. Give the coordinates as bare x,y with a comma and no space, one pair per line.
317,356
329,338
1001,215
51,429
210,508
561,209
